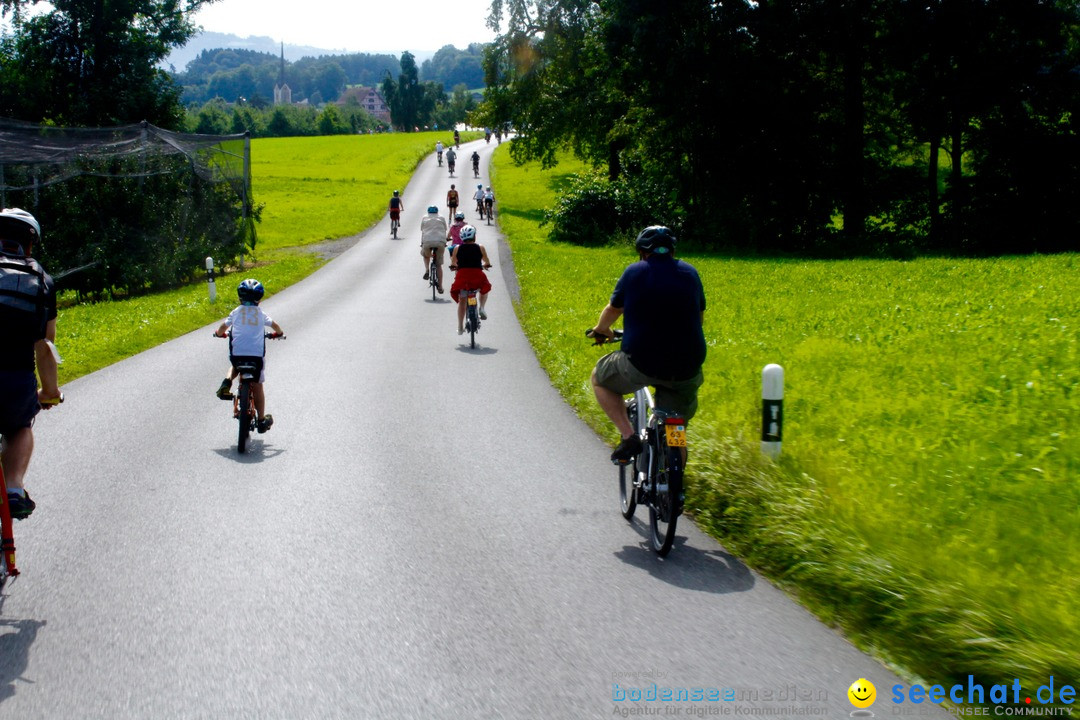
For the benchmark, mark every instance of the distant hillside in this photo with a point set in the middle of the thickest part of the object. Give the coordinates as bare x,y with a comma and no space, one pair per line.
179,58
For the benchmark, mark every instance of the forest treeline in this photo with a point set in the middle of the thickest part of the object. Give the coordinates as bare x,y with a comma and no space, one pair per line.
832,127
232,74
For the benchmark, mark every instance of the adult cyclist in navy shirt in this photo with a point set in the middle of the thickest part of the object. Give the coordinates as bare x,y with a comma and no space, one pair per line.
662,303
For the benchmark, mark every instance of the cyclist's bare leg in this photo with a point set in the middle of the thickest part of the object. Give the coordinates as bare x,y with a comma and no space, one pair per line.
462,302
18,447
614,407
425,253
260,399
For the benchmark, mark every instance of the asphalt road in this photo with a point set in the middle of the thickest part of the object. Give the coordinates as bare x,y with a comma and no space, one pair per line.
427,531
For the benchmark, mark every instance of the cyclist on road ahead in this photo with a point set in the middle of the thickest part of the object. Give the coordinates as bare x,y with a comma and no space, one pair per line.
438,150
452,201
476,163
247,341
454,234
662,303
469,260
396,206
433,233
457,139
489,201
478,196
451,159
28,319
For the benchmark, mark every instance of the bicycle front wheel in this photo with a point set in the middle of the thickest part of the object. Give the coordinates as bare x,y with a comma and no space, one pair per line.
245,417
665,507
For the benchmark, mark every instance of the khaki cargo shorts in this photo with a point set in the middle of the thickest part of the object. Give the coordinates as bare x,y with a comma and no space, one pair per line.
616,373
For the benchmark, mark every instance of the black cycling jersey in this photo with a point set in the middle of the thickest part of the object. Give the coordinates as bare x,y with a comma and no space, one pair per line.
469,256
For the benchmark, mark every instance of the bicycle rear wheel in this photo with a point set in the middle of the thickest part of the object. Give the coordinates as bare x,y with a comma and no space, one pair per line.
664,509
434,275
628,472
474,322
244,406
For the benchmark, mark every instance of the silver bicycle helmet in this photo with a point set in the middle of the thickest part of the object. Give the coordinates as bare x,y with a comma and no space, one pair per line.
19,227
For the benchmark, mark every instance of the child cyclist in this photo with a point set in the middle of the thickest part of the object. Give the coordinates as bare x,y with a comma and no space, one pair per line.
469,260
247,341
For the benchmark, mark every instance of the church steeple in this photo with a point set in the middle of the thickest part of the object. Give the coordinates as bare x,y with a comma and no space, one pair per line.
282,93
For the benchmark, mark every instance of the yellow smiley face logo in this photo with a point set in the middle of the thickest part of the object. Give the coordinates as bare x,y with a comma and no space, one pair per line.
862,693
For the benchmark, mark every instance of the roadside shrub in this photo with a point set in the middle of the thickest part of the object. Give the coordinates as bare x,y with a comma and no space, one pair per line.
596,211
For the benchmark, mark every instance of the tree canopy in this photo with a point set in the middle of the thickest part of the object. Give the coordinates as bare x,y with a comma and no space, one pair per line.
94,63
808,125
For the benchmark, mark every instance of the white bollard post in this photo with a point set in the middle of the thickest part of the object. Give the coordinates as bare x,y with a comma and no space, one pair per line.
772,409
210,278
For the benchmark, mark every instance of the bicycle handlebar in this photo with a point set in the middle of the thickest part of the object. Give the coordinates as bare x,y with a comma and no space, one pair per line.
268,336
601,339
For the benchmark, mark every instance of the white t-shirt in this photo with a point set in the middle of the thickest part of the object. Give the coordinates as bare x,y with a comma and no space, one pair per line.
248,336
479,194
432,229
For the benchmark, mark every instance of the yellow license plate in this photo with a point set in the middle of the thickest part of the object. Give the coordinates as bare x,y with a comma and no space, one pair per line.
472,300
676,435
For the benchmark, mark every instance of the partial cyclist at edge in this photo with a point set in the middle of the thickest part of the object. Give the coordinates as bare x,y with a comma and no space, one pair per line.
28,318
662,303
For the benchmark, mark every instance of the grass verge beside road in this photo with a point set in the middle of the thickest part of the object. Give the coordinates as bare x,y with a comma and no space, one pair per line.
926,500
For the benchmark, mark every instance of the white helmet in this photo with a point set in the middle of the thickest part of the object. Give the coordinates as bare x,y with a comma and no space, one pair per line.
467,233
19,226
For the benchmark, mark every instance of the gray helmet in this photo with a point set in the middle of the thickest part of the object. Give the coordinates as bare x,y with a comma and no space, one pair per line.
656,239
20,227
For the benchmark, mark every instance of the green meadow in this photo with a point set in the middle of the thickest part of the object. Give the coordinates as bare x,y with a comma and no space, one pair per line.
926,500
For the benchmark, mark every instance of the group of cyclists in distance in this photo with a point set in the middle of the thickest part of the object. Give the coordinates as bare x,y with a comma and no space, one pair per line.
438,235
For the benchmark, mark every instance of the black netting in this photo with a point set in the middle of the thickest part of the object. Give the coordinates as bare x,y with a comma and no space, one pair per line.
140,205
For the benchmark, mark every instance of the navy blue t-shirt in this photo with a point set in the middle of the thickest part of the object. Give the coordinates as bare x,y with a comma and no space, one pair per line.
662,300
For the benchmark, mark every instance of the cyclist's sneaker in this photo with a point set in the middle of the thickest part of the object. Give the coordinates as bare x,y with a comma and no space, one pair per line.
264,424
225,391
627,450
427,275
461,331
20,505
483,315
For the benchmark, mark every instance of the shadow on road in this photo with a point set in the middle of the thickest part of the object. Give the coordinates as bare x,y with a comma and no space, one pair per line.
15,652
689,567
477,350
257,451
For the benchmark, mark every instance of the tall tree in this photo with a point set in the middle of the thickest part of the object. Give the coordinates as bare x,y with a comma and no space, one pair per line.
410,102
